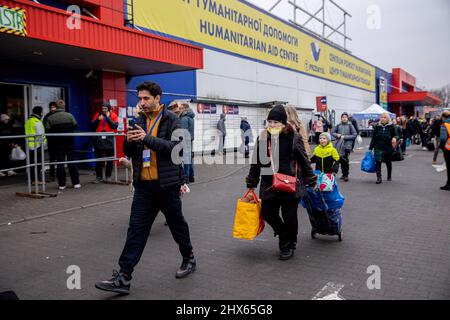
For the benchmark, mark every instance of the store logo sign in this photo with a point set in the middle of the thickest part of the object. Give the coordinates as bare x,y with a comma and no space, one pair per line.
13,21
315,51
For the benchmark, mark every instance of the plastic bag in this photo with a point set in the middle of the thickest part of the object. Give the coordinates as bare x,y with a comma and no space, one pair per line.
323,201
248,222
359,139
17,154
408,142
368,163
325,181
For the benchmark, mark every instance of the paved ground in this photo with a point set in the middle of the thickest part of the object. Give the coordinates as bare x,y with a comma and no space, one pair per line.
401,226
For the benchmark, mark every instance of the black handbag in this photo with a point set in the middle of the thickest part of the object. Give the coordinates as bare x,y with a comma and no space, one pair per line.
398,154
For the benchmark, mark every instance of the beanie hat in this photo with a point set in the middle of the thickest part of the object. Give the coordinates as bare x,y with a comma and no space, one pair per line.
4,117
344,114
279,114
325,135
106,104
37,110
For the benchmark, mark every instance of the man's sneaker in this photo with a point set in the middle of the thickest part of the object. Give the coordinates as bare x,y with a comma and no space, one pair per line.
108,180
346,179
445,188
187,267
11,173
97,181
62,187
77,186
191,179
2,174
118,284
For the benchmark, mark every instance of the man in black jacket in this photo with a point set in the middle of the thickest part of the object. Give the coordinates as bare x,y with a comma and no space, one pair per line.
63,122
157,181
52,148
436,134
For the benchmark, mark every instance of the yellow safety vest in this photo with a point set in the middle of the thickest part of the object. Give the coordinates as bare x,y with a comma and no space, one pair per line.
30,128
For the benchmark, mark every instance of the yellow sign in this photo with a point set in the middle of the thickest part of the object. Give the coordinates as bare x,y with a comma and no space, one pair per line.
237,27
13,21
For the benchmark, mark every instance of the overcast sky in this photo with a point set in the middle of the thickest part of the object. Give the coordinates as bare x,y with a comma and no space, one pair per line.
413,34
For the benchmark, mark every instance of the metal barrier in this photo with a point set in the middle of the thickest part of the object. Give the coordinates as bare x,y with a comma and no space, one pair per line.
40,139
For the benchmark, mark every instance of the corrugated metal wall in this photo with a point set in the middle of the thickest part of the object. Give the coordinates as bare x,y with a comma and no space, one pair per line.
231,77
50,24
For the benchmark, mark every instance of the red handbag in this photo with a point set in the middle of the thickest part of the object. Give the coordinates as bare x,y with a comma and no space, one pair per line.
283,182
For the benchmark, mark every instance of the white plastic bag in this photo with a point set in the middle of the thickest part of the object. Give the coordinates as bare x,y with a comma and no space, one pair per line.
359,139
242,148
17,154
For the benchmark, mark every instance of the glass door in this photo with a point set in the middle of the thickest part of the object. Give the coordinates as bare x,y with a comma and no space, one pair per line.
43,95
14,103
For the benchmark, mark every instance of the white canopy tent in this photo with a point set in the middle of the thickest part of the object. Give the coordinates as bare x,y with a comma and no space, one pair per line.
372,113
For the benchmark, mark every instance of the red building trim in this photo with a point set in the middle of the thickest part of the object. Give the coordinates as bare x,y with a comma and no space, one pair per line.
50,24
421,98
402,78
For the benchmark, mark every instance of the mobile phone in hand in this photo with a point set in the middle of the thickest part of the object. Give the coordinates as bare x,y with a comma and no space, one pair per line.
131,124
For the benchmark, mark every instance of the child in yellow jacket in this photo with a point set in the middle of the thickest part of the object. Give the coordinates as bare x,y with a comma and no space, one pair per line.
325,156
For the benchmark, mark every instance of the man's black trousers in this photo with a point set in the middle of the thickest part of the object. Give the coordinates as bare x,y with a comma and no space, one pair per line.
149,198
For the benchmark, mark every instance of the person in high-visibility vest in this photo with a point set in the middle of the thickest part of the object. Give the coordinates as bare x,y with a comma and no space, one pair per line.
34,126
445,145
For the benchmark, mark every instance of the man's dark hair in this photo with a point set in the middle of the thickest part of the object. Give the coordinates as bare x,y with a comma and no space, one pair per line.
52,104
152,87
38,110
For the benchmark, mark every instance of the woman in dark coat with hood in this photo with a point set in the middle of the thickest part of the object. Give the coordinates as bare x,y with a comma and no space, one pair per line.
287,148
384,141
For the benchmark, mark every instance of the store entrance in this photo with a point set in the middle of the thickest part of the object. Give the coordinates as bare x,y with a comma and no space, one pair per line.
18,100
14,103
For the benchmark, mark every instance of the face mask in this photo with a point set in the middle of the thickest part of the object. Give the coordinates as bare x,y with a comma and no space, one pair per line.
274,131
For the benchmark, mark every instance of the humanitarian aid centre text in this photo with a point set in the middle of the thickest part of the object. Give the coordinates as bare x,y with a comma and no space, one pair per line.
224,33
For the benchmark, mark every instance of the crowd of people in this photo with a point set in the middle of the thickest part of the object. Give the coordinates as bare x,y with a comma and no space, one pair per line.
282,166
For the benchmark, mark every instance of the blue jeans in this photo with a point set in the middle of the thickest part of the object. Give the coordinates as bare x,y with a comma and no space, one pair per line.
188,162
189,170
149,198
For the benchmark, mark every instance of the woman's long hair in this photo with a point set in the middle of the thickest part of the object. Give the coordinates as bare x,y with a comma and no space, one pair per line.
293,118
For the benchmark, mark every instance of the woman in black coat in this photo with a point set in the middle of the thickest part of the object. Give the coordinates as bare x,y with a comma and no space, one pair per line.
287,149
383,142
